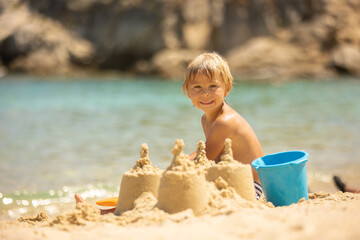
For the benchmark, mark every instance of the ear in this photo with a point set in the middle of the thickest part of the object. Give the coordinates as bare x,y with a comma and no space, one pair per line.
228,89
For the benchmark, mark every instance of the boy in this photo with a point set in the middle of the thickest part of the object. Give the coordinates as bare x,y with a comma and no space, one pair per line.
207,82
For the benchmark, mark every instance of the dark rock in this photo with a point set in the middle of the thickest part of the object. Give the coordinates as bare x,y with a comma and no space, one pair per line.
266,58
262,39
34,43
173,63
346,58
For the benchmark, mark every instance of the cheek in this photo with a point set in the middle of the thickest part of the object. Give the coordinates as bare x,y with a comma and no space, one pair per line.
193,93
220,92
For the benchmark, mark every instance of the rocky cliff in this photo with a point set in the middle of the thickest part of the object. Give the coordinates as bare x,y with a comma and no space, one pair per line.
262,39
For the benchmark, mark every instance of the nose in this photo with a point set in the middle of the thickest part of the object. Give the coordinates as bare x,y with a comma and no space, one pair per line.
205,93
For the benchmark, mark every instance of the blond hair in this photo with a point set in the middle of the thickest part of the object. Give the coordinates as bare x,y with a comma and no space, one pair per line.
208,64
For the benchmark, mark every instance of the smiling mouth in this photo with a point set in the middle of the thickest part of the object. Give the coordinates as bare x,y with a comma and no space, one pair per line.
206,103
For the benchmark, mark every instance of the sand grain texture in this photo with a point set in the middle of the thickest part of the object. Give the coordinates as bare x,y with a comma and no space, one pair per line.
324,216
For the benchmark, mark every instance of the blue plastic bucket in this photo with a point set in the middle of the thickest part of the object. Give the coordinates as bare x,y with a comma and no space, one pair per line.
283,176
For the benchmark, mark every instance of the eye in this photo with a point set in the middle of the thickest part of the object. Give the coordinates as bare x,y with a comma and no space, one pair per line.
213,86
196,86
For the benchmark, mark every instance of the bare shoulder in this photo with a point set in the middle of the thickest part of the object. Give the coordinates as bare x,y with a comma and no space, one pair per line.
231,119
239,129
246,146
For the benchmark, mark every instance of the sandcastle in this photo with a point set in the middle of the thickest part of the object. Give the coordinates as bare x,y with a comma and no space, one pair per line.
237,175
183,185
143,177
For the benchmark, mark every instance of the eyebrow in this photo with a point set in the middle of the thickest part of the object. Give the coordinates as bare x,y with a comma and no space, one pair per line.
210,81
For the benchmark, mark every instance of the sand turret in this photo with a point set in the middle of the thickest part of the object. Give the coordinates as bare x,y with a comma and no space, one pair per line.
143,177
180,161
201,158
227,157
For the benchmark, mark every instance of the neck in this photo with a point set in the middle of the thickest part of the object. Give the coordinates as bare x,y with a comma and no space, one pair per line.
213,114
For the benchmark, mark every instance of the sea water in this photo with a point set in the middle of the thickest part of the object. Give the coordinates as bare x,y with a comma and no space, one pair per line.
59,136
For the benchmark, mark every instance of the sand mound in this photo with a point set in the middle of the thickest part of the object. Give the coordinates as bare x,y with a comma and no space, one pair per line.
41,217
83,212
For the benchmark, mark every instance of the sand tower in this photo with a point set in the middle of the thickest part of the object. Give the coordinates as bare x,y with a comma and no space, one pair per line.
183,185
201,158
237,175
143,177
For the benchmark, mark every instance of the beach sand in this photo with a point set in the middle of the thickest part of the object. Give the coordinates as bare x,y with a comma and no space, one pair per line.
324,216
190,204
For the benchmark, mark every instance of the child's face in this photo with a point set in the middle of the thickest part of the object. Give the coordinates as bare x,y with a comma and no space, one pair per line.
207,94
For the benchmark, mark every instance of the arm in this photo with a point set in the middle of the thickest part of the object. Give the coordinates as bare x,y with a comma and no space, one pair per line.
215,139
192,156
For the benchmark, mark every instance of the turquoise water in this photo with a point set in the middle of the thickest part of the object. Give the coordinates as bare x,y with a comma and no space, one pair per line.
64,136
